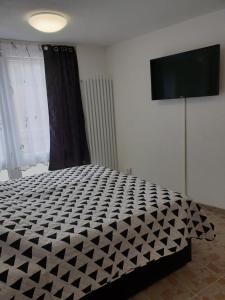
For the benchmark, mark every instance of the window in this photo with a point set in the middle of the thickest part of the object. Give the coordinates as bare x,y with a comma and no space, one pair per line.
24,124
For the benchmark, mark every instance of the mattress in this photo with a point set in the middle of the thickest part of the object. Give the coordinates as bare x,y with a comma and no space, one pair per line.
66,233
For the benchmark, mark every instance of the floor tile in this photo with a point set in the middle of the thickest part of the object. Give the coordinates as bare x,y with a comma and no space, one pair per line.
168,288
216,291
195,276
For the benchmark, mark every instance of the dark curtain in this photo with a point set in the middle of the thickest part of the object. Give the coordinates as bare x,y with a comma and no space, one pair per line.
68,142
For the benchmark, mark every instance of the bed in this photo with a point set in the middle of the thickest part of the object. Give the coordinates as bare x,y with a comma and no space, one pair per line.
90,232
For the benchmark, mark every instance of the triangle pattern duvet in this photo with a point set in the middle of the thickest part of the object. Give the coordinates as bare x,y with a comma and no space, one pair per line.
66,233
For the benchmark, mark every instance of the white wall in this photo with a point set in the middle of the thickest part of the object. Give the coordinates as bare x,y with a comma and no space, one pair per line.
150,134
91,60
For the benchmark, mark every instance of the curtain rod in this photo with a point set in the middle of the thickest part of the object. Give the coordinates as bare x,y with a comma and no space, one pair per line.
38,42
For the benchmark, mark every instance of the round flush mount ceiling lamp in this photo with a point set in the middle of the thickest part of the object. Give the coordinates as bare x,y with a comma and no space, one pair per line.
48,21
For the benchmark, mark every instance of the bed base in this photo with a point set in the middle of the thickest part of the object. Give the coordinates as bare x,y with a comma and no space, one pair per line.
132,283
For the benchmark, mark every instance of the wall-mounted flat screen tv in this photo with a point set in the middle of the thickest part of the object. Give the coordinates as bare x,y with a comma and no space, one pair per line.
193,73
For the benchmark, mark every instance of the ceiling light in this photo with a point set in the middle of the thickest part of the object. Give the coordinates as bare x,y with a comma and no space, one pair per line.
47,21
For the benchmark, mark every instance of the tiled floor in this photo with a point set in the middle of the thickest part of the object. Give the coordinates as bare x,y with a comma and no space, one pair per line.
201,279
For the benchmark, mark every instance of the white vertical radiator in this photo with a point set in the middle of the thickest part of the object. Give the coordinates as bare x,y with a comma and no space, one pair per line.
98,105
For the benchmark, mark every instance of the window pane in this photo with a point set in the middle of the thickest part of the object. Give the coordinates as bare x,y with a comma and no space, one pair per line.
4,175
30,101
35,170
2,148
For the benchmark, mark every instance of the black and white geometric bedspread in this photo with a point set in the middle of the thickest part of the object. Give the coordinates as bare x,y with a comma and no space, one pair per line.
66,233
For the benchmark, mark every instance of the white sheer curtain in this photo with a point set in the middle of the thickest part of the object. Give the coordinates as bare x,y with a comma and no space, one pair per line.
24,123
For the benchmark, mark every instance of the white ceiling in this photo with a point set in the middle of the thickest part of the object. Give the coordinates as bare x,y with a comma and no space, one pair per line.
101,22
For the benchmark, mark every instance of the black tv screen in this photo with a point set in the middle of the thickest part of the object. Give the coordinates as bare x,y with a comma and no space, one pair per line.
190,74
